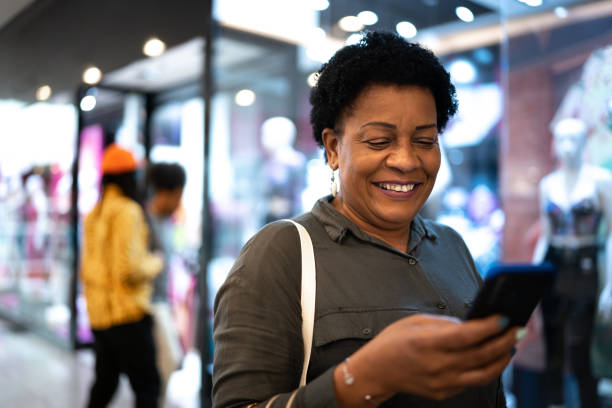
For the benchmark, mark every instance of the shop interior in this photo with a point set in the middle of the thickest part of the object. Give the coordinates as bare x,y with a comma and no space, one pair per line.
223,91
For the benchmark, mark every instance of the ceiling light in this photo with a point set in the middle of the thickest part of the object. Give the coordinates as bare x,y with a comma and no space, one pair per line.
321,51
406,29
532,3
317,33
92,75
154,47
43,93
353,39
462,71
88,103
312,79
350,24
430,41
367,17
483,56
561,12
319,5
464,14
244,97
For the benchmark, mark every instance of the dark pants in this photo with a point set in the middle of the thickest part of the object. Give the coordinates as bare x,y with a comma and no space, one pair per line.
568,325
568,312
130,349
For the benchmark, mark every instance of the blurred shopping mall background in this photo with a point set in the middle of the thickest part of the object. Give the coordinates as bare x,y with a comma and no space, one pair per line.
222,87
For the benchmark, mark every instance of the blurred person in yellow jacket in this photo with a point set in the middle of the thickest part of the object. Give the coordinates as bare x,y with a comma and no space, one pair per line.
118,272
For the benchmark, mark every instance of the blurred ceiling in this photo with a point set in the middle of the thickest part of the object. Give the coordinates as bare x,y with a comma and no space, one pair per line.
53,41
10,8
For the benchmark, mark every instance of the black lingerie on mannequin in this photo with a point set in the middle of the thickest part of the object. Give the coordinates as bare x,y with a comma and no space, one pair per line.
582,219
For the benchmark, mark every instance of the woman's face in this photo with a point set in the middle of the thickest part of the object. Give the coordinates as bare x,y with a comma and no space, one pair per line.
387,153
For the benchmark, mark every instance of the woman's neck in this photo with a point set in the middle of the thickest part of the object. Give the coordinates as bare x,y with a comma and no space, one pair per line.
398,238
570,173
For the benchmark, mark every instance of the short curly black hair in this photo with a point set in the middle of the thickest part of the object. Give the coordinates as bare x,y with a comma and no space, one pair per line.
166,176
379,58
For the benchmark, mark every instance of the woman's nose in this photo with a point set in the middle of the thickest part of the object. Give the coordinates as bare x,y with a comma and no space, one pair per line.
403,159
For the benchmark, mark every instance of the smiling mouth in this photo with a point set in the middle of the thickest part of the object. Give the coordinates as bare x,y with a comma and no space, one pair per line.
399,188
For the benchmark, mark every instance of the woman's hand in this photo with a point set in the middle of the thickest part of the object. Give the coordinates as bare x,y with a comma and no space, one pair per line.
430,356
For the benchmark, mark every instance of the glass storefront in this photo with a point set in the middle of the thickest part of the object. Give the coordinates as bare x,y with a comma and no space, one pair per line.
558,81
520,67
36,153
517,69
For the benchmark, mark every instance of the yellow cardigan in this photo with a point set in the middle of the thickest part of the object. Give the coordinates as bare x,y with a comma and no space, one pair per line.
117,268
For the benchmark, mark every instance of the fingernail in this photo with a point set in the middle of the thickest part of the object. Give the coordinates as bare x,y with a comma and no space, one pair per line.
503,322
521,333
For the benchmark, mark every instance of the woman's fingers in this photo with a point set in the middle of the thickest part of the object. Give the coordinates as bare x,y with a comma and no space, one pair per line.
486,352
438,357
471,332
485,374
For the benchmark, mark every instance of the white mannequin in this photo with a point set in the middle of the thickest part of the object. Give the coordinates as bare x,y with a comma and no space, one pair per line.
283,169
574,200
572,181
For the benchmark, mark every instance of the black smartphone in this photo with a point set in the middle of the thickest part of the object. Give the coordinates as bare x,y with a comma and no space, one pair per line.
512,290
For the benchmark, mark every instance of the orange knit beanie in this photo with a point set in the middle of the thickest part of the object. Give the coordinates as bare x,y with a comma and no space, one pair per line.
117,160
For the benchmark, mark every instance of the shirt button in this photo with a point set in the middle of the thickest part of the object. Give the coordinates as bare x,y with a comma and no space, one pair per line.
441,306
367,331
412,261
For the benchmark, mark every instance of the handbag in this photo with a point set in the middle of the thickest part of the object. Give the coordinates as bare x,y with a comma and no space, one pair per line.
168,350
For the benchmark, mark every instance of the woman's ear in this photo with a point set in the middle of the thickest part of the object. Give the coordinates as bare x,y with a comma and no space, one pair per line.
330,141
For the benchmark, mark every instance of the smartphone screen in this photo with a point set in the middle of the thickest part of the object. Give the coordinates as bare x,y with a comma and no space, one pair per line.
512,291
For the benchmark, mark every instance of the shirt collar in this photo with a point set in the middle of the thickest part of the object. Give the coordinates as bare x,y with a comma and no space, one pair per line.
337,225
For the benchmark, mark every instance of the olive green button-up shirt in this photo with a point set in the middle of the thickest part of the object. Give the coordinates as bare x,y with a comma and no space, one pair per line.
363,285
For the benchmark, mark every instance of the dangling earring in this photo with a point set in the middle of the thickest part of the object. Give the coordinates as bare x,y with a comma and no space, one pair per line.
334,185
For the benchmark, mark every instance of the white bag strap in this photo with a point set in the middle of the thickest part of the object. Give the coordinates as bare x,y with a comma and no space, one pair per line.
308,295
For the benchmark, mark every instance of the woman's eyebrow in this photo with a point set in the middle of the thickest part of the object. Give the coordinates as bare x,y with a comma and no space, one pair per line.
392,126
429,126
383,124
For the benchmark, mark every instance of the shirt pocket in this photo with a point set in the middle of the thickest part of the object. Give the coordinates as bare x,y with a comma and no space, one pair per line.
340,332
355,323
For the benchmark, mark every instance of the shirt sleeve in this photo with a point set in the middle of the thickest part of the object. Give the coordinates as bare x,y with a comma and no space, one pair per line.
258,328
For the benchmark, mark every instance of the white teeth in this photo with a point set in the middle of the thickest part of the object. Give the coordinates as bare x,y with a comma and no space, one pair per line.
400,188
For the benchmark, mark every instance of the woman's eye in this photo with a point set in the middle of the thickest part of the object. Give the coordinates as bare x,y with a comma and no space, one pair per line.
377,143
427,143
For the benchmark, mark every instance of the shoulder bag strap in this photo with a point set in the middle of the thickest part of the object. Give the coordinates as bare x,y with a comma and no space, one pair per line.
308,295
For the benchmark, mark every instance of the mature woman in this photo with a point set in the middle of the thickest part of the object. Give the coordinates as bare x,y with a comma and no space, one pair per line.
391,286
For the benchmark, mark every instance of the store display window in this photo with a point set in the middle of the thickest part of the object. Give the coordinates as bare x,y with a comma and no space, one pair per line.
35,189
